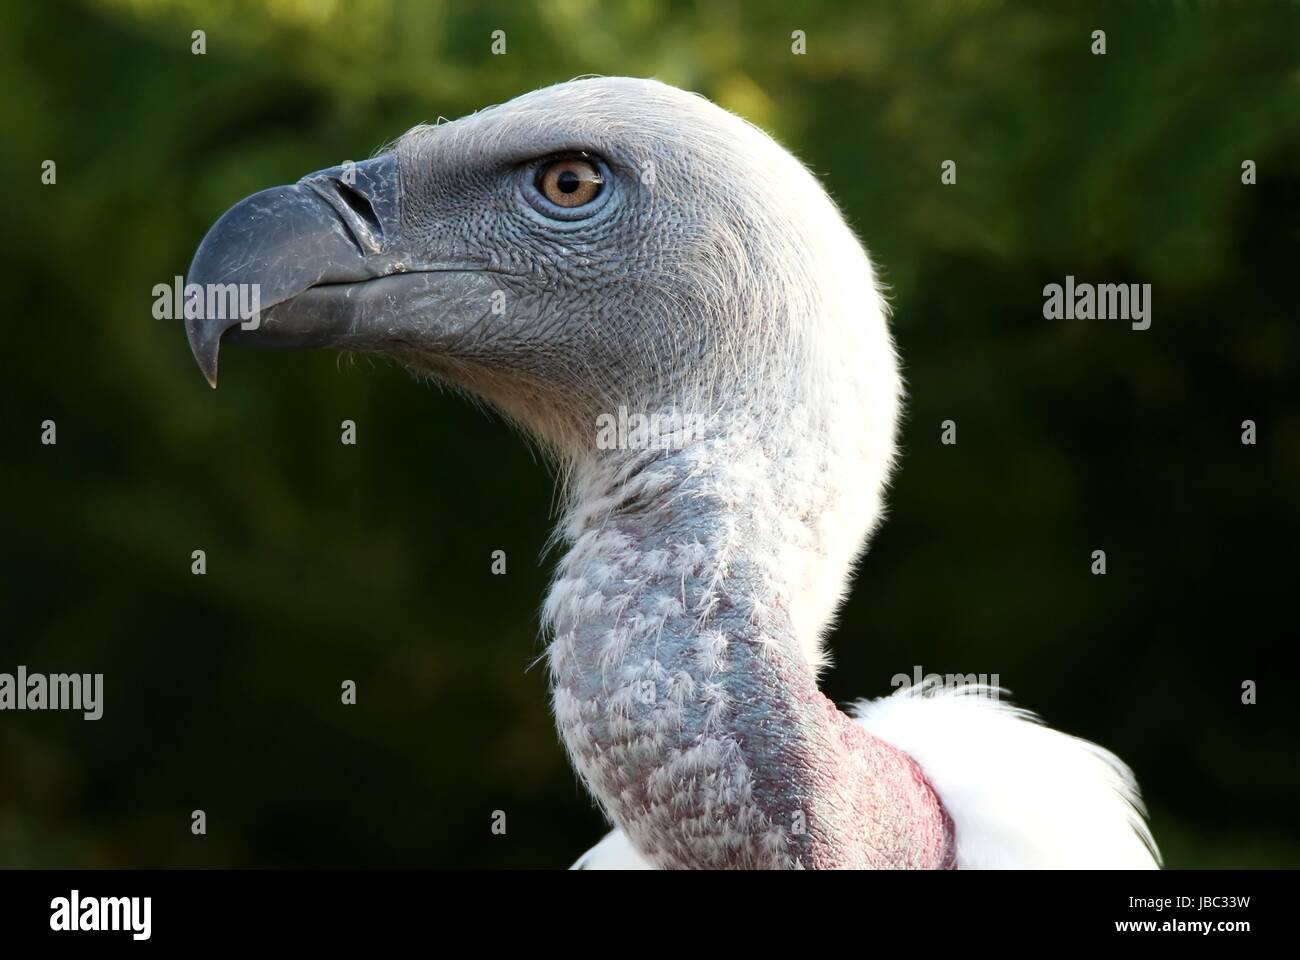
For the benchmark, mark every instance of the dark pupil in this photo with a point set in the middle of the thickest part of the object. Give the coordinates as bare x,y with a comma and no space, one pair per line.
568,181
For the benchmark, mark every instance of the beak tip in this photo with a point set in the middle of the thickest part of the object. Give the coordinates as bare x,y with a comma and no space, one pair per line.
208,366
205,350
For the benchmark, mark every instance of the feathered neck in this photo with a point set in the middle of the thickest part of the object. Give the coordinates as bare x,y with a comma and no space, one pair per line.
683,684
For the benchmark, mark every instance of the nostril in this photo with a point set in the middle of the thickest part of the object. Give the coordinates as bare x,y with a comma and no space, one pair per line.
361,206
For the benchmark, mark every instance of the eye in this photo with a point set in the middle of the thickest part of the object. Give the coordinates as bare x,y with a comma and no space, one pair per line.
570,182
567,189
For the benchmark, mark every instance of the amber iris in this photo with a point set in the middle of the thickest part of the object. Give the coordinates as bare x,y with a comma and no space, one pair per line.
570,182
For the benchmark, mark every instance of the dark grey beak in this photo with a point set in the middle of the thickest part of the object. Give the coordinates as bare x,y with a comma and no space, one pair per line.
305,266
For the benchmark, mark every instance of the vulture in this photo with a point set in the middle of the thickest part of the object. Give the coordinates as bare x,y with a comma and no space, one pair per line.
616,250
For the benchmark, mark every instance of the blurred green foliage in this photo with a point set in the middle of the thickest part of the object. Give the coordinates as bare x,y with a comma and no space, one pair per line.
371,562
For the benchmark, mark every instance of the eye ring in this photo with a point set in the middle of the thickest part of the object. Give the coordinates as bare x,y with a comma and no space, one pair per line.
567,187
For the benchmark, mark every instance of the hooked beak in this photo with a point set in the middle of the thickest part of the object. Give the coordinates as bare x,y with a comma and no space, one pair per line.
322,264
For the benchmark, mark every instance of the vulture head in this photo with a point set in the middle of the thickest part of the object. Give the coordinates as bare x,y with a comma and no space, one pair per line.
601,244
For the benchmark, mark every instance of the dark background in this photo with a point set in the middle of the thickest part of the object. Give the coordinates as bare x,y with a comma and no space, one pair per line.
371,562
